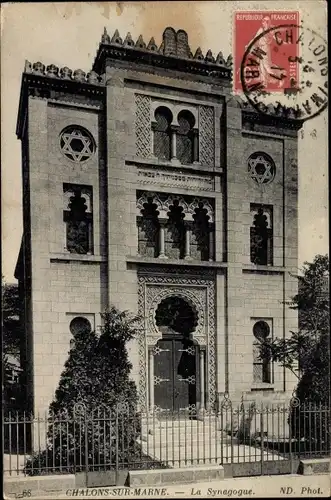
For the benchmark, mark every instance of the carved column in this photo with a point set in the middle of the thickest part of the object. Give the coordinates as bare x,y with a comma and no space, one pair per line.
65,237
202,380
151,378
195,146
162,254
211,241
90,238
188,232
173,144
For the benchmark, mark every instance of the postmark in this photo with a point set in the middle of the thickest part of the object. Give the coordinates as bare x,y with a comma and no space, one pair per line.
279,66
303,92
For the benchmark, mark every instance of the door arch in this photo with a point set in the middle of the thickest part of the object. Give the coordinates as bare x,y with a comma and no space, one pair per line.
176,356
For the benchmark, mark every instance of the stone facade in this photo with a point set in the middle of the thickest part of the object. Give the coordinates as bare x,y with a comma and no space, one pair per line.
117,136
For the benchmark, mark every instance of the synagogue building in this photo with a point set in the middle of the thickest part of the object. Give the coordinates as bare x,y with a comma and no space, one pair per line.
149,186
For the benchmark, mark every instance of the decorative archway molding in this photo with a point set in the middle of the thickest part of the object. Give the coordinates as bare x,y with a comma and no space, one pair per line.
164,201
154,298
199,292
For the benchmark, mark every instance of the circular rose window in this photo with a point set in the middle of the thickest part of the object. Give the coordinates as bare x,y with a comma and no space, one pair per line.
261,168
80,325
77,144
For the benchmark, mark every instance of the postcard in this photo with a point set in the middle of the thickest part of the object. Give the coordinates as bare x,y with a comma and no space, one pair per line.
165,266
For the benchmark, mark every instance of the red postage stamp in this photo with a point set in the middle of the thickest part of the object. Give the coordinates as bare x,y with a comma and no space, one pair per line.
266,55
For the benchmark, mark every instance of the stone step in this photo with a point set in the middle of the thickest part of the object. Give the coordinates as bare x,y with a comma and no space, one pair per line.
211,445
185,422
182,426
185,438
190,463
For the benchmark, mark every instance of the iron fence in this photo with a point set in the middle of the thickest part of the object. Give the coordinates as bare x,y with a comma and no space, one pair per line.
106,439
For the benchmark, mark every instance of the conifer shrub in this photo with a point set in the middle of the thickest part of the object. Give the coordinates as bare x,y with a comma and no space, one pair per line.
93,418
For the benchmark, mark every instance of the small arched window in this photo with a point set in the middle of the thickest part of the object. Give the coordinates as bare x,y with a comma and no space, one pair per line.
79,327
261,366
162,133
78,218
261,235
185,137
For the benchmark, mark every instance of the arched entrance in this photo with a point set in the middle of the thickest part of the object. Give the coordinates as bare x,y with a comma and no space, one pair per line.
176,356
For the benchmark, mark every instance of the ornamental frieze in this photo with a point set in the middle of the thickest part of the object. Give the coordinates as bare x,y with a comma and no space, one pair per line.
170,179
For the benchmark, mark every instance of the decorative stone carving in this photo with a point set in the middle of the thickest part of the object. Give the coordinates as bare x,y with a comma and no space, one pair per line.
164,201
39,68
92,77
155,285
105,37
261,168
152,45
174,44
183,49
169,42
206,135
195,297
79,75
143,126
198,54
171,179
27,67
209,57
66,73
77,144
140,44
128,40
220,59
229,61
116,38
52,71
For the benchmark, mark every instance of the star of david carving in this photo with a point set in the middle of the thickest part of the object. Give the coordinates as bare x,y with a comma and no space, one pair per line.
76,145
261,168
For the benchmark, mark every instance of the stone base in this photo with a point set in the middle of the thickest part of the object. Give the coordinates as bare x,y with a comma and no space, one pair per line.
38,486
176,476
311,466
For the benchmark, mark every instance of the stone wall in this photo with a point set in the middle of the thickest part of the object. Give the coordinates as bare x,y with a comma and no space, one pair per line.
64,285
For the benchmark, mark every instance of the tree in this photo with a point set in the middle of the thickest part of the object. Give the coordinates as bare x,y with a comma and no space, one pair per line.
11,339
306,352
11,334
93,417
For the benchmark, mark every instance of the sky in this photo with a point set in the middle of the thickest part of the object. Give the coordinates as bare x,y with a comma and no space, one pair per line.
68,34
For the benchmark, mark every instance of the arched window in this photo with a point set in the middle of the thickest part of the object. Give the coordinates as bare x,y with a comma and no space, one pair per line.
80,325
175,232
261,235
200,244
261,367
162,133
148,230
78,218
185,137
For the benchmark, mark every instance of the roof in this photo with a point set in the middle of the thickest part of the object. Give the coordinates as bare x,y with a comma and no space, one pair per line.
174,53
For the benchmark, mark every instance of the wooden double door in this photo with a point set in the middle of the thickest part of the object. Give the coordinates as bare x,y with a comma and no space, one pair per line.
176,374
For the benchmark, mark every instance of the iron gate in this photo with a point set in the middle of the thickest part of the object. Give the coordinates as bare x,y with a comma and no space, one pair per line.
249,439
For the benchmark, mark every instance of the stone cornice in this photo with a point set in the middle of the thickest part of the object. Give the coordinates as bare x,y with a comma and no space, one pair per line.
42,83
141,57
280,116
148,261
280,120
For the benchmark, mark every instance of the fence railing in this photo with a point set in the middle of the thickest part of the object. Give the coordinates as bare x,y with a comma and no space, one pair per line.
79,440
